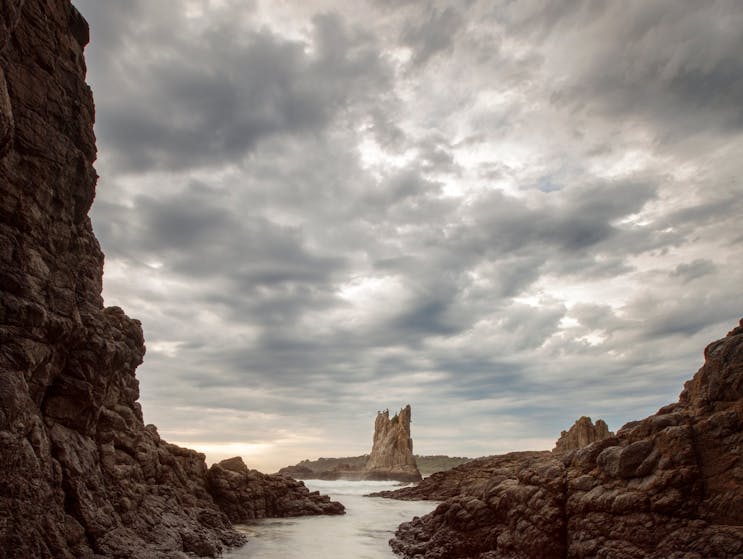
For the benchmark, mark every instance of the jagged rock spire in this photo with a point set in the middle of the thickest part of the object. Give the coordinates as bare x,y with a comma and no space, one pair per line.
392,451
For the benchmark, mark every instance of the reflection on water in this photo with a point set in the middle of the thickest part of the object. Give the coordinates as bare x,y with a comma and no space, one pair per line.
362,533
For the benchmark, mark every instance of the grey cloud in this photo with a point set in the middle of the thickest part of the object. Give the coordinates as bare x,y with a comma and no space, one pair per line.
196,234
694,270
674,63
584,219
109,22
715,209
387,133
686,313
594,316
402,187
209,99
434,34
426,318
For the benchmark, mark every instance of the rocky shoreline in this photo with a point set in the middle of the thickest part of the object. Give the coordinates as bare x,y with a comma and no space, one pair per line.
82,476
668,486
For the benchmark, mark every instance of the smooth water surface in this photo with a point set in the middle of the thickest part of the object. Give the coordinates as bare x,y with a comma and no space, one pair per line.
361,533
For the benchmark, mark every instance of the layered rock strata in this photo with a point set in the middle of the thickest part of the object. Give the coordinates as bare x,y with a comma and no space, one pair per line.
582,433
82,476
392,449
668,486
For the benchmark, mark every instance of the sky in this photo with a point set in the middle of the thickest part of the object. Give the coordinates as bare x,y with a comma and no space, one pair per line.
506,213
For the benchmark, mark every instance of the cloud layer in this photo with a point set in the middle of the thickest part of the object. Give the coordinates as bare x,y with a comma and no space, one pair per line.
508,214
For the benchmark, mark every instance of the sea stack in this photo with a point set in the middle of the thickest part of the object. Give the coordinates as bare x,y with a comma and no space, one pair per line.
392,451
582,433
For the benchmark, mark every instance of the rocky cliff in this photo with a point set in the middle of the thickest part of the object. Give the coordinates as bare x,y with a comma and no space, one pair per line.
668,486
392,449
582,433
82,476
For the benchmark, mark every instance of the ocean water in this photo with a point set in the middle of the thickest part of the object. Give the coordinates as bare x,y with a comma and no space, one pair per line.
362,533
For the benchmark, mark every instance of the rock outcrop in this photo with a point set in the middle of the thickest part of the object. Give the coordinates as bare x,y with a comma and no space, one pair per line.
668,486
246,495
582,433
392,450
82,476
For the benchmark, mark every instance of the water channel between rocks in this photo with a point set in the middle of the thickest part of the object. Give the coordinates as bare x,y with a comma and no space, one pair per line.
362,533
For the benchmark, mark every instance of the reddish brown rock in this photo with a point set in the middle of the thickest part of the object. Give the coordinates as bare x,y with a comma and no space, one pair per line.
82,476
669,486
582,433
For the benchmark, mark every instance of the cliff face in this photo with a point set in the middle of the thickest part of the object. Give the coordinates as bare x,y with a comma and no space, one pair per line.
668,486
392,450
82,476
582,433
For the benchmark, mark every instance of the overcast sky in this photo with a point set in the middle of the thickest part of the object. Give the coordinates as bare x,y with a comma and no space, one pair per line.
505,213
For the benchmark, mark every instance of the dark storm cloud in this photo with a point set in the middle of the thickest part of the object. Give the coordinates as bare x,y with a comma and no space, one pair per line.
180,101
196,234
583,220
